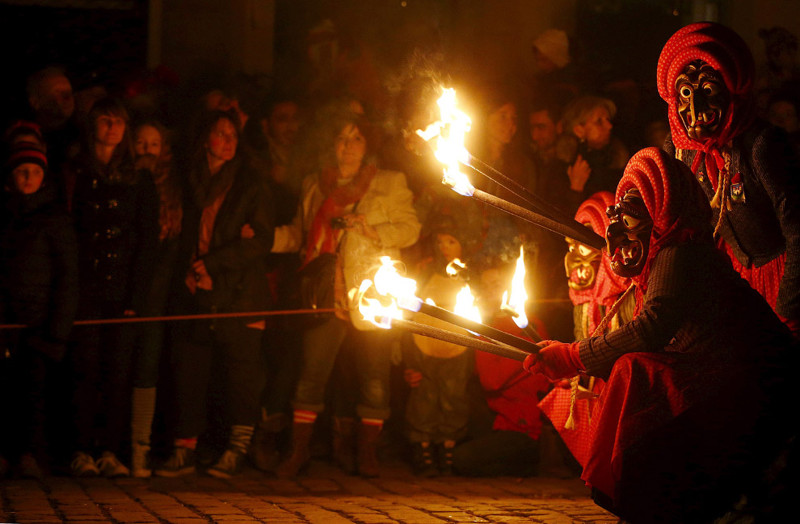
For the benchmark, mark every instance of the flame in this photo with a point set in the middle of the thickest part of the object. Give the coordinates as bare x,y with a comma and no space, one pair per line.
516,303
454,266
389,282
465,305
449,133
375,310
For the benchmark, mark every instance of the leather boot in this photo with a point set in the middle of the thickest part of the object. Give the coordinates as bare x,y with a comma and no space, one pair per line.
299,456
367,450
263,452
344,444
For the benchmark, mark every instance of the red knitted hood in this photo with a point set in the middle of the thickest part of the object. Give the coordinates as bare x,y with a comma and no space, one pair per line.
726,52
676,203
607,285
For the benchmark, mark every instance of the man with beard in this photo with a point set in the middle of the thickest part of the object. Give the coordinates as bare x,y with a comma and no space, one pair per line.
745,167
690,416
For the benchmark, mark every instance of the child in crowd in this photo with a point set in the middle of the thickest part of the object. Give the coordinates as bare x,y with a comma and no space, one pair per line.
437,411
38,288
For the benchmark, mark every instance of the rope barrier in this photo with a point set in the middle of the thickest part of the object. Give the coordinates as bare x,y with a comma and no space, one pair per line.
209,316
200,316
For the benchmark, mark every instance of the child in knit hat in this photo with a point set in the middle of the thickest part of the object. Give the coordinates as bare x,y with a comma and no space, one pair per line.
38,288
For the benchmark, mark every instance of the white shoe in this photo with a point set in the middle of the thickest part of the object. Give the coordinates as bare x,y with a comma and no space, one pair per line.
83,465
111,467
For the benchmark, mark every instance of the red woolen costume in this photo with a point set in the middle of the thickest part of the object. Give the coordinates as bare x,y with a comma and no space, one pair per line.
690,415
745,167
607,288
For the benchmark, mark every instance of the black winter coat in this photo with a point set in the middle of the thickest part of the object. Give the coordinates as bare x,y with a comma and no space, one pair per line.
116,220
38,268
237,265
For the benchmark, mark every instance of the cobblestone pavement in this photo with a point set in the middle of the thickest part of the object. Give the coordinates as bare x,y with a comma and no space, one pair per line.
324,495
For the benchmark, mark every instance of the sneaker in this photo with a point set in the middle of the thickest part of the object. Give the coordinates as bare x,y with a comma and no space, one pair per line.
83,465
140,467
228,465
181,462
111,467
29,468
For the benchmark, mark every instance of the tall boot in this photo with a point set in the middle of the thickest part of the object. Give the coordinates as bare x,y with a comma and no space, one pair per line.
263,452
368,434
299,456
344,444
143,409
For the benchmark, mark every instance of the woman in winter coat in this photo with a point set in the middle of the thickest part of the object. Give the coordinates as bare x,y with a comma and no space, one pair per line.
153,153
351,212
220,269
115,210
38,288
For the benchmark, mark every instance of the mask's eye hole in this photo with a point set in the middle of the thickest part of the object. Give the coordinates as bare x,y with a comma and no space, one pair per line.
685,91
629,221
710,89
584,251
572,248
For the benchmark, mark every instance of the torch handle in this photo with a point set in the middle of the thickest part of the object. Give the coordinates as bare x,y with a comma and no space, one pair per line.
462,340
578,232
481,329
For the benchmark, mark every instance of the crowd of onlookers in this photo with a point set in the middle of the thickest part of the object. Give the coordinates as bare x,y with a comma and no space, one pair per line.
114,208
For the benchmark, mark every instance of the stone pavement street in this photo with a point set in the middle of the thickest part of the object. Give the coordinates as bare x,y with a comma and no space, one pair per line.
324,495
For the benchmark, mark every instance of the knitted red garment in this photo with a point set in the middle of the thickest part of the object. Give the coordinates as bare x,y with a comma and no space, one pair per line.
725,51
607,284
676,203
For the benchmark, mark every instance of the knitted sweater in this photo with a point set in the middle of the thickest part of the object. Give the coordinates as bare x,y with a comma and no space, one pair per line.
764,222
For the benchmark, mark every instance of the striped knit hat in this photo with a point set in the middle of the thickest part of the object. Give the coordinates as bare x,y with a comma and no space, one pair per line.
25,153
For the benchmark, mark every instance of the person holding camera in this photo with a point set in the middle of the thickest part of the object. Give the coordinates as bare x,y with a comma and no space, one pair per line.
350,214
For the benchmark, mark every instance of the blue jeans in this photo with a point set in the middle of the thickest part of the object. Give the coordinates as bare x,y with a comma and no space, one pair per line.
321,344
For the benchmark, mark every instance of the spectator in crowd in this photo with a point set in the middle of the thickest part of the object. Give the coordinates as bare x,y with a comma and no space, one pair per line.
511,446
226,234
39,289
24,131
152,151
52,105
595,157
553,71
781,72
437,409
350,212
115,208
273,137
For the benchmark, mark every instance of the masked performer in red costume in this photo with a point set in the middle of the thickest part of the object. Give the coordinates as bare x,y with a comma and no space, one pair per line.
689,417
593,289
745,167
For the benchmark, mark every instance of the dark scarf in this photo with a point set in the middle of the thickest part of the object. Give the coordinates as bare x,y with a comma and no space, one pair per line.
205,187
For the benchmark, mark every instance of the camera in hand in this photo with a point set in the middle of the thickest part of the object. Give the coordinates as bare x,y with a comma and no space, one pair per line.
338,223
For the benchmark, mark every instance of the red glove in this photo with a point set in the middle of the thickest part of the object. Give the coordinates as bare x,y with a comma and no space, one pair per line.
556,360
794,326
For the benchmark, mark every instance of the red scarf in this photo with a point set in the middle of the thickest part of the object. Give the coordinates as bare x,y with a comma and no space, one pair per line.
322,237
726,52
676,203
608,286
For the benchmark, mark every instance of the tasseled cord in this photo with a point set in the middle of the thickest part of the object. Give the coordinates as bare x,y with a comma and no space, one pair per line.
570,423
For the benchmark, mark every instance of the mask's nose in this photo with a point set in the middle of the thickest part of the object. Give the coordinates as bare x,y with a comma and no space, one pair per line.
615,233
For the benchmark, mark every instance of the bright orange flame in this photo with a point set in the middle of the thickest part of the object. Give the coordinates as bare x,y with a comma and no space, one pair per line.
519,295
389,282
466,306
376,311
449,133
454,266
